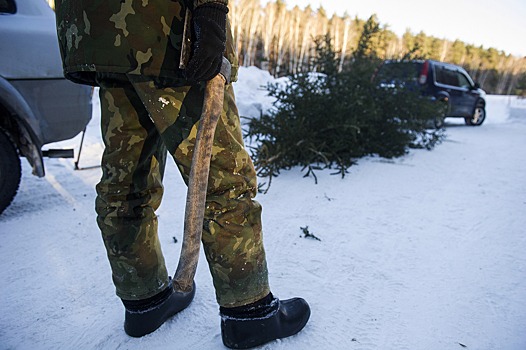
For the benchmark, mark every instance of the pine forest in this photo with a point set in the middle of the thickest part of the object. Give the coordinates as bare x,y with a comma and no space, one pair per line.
282,40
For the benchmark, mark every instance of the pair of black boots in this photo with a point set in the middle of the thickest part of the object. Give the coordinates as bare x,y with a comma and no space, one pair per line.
241,327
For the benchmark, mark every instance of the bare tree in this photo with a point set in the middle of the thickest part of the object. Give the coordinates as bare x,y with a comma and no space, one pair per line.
344,43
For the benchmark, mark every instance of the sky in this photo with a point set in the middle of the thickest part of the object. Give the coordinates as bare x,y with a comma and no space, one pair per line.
498,24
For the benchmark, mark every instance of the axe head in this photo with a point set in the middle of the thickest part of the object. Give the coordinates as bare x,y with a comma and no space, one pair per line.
186,44
226,70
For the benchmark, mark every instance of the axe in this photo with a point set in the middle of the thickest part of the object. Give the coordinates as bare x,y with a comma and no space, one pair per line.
198,181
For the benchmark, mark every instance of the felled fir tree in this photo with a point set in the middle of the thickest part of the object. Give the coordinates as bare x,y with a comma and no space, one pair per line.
332,117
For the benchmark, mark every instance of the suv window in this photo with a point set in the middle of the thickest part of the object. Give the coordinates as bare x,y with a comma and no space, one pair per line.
463,81
446,76
400,70
451,77
7,6
394,73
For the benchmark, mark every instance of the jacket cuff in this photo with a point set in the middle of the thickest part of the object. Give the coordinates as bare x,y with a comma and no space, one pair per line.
198,3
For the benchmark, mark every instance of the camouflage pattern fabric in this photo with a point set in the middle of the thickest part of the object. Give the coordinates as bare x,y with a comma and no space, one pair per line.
140,123
139,37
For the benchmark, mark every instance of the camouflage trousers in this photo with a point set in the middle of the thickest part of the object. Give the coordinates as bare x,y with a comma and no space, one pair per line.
140,122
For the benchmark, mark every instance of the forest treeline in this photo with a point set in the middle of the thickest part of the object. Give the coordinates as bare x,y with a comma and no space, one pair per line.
281,40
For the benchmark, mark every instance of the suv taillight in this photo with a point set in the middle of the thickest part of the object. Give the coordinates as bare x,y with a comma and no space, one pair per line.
423,74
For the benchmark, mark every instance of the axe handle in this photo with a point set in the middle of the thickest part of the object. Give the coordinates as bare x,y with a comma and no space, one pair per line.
198,183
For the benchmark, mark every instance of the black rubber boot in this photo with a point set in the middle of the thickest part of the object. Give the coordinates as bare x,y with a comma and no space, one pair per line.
264,321
145,316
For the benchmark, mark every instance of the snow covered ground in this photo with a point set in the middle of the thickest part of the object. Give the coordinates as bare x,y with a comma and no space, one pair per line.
421,252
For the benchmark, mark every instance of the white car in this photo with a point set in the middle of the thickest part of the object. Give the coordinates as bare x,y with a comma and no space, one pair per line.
37,104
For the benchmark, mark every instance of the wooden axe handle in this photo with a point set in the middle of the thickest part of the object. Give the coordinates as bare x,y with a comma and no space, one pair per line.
198,181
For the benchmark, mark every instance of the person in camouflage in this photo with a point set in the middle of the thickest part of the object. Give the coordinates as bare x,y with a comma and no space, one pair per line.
150,107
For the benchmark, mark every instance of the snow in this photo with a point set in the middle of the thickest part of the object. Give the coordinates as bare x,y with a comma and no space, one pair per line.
421,252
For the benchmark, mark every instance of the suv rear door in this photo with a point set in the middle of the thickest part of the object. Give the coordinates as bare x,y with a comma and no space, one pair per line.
459,88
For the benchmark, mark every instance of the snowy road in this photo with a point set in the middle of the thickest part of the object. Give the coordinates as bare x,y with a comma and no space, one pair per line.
422,252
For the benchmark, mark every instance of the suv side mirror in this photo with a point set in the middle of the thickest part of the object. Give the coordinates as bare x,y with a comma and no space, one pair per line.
476,86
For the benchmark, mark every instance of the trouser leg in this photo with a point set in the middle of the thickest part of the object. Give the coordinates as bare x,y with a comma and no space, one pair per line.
129,192
232,235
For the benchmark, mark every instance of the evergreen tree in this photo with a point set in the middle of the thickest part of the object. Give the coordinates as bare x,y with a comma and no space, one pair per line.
330,118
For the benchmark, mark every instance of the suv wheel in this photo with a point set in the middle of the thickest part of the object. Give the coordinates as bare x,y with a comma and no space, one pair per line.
10,171
478,116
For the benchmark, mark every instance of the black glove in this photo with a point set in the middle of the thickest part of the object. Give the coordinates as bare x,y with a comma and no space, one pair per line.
209,38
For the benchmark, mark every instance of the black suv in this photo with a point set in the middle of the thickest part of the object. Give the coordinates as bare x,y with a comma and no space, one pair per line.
447,83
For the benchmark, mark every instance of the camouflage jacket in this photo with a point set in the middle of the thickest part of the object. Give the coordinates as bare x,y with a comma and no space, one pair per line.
140,37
